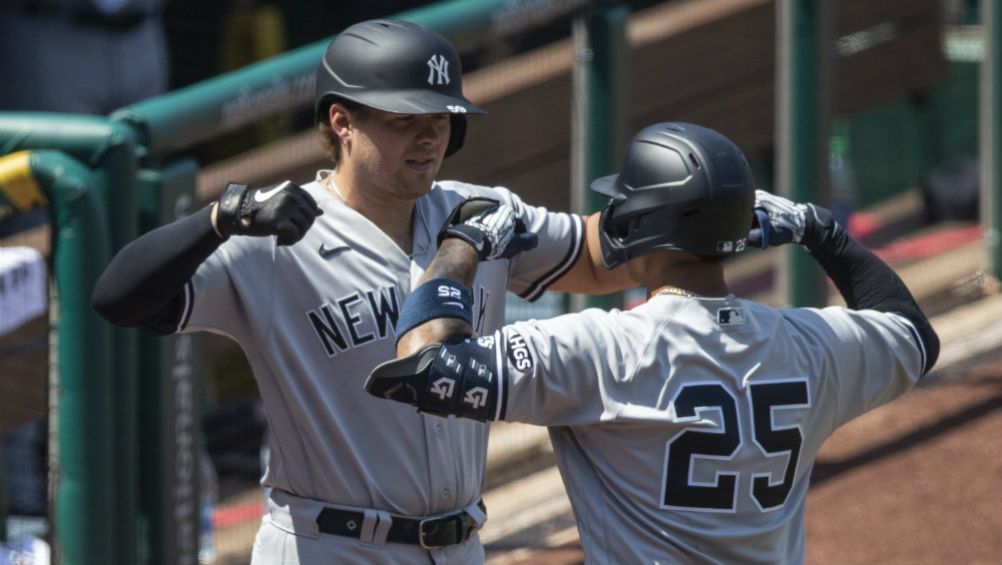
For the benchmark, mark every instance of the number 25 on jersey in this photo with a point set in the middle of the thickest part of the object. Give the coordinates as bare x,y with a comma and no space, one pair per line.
682,492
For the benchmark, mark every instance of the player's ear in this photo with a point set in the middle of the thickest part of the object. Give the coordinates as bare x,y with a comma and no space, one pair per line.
340,120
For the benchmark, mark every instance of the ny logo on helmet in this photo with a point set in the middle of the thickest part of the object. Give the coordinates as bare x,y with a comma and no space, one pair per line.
438,70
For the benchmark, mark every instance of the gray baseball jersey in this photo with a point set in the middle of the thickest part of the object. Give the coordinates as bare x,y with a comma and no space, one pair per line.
686,429
316,317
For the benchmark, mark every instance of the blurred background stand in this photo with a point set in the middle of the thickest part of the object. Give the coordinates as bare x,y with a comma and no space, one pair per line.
81,56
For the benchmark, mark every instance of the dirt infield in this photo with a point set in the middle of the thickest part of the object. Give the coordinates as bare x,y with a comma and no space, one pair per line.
918,481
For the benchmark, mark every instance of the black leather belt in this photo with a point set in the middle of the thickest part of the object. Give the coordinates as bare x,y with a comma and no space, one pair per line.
122,21
429,533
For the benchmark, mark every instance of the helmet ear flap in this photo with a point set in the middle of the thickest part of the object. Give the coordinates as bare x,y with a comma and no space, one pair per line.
619,229
457,134
610,243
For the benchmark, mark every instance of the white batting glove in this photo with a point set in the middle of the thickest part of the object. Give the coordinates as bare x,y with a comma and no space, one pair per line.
491,228
777,220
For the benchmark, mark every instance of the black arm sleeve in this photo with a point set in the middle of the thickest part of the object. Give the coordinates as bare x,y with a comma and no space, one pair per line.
143,284
865,282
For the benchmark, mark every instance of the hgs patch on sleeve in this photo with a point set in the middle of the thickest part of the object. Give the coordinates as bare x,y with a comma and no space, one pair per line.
519,356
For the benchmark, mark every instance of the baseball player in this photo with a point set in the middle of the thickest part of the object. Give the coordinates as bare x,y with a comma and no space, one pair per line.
354,480
685,429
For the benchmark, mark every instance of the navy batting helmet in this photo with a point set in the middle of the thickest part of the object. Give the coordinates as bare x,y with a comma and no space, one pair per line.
395,66
682,187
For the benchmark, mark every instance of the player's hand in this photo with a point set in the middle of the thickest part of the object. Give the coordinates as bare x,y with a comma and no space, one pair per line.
777,221
491,228
284,210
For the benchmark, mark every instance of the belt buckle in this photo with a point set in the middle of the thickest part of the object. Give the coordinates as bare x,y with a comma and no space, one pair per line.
464,525
421,533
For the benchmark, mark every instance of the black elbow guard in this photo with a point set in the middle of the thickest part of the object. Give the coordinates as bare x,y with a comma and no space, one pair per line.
460,379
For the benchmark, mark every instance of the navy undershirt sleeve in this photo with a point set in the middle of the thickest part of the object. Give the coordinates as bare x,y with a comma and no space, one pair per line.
865,282
143,284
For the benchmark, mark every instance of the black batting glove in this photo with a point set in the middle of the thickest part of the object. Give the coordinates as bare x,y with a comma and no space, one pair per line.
491,228
284,210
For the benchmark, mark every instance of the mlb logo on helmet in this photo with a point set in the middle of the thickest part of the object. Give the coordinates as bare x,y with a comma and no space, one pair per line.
731,246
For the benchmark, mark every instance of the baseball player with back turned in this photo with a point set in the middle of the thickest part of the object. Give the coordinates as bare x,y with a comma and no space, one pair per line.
353,479
685,429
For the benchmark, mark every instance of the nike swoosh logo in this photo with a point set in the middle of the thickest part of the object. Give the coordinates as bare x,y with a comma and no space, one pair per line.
263,195
456,304
328,253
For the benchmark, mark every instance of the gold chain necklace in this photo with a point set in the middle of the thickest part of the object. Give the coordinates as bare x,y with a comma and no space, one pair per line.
675,291
332,188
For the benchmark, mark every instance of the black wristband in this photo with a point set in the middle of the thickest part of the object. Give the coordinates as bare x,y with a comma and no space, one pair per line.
228,211
437,298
